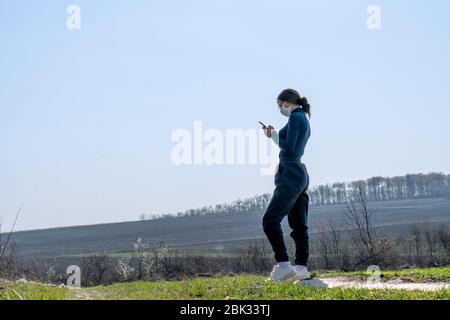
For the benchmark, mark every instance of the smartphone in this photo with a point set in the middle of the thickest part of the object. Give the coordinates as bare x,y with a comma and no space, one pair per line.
264,126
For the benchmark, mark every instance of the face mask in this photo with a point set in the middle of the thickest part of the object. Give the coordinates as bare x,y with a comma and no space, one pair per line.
285,111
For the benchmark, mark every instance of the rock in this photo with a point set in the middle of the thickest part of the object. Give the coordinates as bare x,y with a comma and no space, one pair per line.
313,282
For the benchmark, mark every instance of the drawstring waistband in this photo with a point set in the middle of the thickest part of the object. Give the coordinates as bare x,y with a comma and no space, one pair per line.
291,159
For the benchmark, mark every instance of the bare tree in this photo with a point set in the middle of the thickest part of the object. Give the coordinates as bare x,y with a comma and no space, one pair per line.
332,248
324,249
252,258
444,239
359,219
94,268
416,233
4,243
339,251
431,242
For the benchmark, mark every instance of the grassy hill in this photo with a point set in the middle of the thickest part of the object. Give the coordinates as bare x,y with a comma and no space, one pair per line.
213,233
244,287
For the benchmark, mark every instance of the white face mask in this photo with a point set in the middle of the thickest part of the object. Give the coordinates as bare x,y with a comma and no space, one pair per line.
285,111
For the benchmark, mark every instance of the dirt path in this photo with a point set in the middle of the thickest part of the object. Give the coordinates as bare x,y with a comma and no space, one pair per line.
81,294
394,284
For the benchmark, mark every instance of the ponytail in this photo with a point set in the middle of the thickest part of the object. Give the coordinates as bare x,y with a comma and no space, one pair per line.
303,102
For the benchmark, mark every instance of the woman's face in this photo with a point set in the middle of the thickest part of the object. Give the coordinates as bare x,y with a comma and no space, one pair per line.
281,104
285,108
286,104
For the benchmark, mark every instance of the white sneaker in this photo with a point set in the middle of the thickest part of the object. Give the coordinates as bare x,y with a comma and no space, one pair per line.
280,274
301,273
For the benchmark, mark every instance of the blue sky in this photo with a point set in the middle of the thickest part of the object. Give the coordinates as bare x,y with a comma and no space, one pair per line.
86,116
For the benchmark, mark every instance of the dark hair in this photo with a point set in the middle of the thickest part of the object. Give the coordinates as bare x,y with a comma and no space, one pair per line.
292,96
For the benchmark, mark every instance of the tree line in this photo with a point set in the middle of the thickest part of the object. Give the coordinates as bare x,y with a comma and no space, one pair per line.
410,186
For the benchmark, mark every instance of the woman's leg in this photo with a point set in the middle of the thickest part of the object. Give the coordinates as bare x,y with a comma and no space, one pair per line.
282,202
298,221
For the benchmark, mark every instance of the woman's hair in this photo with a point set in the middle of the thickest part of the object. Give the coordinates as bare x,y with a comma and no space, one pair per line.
292,96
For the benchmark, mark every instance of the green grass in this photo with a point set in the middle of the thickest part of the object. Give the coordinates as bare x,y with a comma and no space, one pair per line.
408,275
31,291
236,288
241,287
248,287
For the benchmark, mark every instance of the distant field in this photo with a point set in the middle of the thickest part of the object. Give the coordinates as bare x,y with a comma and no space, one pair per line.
214,234
243,287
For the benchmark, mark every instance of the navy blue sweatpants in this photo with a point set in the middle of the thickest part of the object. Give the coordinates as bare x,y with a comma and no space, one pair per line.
289,198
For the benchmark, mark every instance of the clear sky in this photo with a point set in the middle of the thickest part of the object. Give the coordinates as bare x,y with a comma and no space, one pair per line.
86,116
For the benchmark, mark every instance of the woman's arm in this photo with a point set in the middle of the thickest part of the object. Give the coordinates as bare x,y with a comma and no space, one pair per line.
275,137
270,132
293,131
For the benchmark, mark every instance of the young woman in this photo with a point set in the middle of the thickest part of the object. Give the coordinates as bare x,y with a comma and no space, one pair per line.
290,197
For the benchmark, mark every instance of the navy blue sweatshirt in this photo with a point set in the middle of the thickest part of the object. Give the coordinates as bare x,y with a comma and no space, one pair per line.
292,139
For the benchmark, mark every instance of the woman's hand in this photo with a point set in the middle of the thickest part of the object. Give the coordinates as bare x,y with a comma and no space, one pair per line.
268,131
